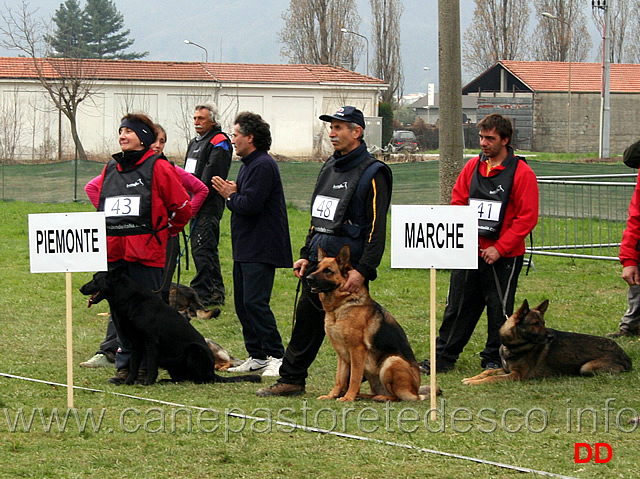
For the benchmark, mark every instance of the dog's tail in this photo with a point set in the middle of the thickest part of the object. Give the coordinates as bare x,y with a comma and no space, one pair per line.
249,378
424,393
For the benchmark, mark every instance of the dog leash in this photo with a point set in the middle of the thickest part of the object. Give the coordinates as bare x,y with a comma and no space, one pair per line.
500,295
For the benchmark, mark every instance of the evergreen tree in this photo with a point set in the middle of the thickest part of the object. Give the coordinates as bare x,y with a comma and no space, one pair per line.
103,27
68,40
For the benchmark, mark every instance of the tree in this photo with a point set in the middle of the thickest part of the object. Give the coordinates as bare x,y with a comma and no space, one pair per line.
312,32
632,48
551,36
498,32
387,63
621,23
67,81
68,41
104,32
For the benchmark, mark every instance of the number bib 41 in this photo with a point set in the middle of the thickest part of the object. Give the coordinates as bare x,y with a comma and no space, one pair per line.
324,207
487,210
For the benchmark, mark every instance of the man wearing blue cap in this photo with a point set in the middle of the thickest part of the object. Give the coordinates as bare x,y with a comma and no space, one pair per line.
349,206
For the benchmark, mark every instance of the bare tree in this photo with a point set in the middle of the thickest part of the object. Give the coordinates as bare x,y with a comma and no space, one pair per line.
553,35
10,125
632,47
67,81
498,32
385,30
620,24
312,32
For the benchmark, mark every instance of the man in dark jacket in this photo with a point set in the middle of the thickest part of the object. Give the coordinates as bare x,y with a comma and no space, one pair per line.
349,205
260,240
208,155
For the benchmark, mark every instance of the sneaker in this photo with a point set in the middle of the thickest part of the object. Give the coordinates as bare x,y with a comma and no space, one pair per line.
624,332
120,377
281,389
492,365
441,366
273,367
249,366
98,361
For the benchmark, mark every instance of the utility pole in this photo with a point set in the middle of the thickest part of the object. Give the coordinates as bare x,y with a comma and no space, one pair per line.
605,105
450,76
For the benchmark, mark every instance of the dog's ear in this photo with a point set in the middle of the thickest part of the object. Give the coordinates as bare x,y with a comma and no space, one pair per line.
542,307
523,310
344,258
321,254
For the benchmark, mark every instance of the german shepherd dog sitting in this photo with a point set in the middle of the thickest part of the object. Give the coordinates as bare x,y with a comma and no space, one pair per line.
531,350
156,331
186,299
367,339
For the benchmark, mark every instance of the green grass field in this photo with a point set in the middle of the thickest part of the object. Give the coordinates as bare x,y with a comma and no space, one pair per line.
195,431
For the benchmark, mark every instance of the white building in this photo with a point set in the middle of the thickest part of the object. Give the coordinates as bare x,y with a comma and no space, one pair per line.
289,97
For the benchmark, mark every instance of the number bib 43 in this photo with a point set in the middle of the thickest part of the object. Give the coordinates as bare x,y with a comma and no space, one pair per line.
122,206
324,207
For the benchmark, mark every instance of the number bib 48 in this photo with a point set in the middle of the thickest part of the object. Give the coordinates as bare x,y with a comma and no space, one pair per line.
122,206
324,207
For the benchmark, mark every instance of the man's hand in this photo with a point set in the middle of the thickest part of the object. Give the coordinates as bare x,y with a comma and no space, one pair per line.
631,275
490,255
299,267
224,187
354,281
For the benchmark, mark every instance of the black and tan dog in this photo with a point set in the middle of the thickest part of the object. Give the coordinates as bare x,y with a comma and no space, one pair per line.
531,350
186,299
223,359
367,339
156,331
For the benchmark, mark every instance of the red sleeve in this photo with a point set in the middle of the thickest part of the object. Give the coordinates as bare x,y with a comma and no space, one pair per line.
197,188
173,195
93,189
522,212
629,255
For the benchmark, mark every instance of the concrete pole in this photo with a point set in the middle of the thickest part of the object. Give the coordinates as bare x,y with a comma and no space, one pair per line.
450,79
605,106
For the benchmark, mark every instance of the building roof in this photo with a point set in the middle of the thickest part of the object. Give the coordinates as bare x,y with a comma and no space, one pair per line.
554,76
137,70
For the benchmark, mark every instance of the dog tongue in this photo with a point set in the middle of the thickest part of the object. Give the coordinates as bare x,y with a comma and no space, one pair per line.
89,303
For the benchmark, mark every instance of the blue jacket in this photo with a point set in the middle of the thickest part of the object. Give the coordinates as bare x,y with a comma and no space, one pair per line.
259,222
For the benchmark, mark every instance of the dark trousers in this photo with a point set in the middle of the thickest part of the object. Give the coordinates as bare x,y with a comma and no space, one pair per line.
208,283
146,276
109,345
470,292
252,287
306,338
173,250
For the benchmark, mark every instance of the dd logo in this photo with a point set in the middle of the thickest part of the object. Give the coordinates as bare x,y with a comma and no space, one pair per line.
598,447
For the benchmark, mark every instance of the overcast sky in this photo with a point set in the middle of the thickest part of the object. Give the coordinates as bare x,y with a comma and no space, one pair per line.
246,31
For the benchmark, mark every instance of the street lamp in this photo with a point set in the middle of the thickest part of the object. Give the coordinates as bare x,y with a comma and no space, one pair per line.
344,30
206,53
554,17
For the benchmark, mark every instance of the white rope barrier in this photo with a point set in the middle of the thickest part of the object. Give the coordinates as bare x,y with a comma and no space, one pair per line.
305,428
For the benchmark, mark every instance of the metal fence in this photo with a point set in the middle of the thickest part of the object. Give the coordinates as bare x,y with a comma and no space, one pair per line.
582,216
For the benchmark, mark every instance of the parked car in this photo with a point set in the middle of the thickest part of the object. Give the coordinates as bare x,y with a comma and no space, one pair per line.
403,140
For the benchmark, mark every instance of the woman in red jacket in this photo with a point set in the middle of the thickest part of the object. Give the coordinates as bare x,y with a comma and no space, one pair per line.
144,203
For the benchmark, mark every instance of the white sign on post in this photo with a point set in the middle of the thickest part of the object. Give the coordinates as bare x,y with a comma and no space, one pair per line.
66,243
438,237
432,237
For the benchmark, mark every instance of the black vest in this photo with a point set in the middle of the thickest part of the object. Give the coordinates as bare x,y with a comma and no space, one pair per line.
490,194
332,195
126,199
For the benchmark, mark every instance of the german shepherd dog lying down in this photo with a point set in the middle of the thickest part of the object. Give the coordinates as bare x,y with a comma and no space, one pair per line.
367,339
531,350
156,331
186,299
